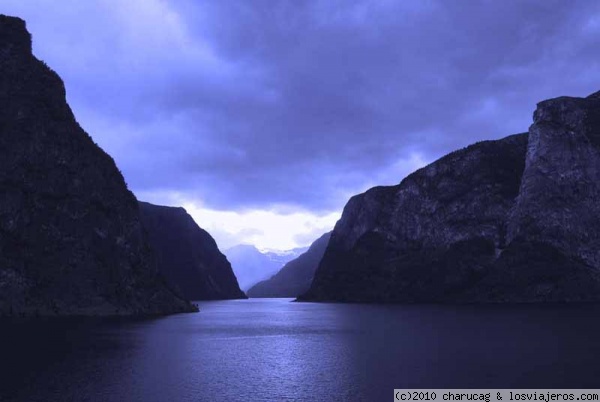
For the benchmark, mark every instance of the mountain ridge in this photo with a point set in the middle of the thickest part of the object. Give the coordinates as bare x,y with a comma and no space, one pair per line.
510,220
295,277
187,255
71,241
252,266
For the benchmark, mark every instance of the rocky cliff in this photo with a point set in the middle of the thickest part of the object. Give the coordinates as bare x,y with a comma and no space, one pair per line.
71,242
188,257
514,220
296,276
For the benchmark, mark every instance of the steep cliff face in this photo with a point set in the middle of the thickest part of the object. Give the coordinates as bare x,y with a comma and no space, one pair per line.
188,256
510,220
554,228
559,200
296,276
71,241
430,235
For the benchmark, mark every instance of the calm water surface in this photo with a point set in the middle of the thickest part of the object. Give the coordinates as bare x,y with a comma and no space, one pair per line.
275,350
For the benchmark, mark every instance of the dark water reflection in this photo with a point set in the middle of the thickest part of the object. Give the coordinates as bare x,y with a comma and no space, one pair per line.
273,350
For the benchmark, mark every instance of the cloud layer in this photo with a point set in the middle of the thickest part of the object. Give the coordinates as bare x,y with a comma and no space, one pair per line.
291,107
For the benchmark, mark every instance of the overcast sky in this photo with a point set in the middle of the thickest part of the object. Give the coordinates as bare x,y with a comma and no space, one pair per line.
263,117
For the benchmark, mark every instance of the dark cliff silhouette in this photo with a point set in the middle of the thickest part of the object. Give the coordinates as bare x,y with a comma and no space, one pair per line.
188,256
296,276
71,242
513,220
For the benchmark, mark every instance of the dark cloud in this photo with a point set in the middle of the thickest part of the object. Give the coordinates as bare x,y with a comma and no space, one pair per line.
296,104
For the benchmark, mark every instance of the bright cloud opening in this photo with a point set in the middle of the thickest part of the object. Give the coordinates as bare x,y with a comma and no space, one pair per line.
265,229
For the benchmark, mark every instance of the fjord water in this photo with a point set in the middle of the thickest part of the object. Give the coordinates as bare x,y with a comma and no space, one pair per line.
276,350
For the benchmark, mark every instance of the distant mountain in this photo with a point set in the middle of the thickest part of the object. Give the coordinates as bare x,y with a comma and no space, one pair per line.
511,220
187,255
71,241
252,265
296,276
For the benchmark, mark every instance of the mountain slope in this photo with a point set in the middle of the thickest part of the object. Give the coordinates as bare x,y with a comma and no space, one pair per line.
71,242
187,255
252,265
295,276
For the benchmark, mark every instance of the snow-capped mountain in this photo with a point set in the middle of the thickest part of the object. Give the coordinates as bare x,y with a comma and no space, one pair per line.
252,265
